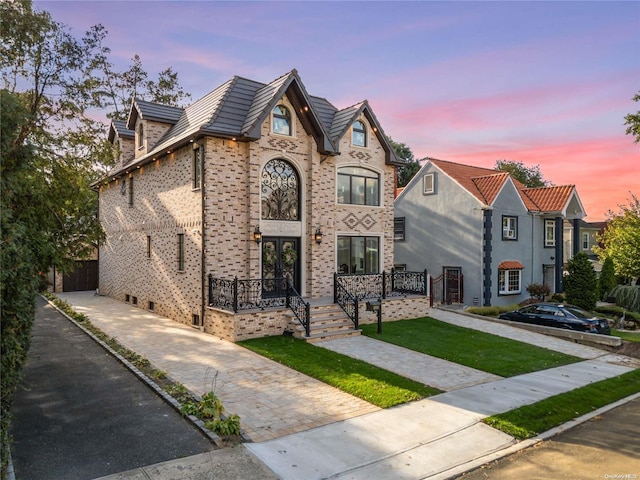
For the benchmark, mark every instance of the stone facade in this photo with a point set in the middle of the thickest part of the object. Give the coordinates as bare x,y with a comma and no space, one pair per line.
152,207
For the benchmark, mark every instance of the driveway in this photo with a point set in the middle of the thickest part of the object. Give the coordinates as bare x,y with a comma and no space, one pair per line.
79,414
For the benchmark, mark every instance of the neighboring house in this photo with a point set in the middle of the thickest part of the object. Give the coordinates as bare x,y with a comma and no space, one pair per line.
587,238
482,235
211,205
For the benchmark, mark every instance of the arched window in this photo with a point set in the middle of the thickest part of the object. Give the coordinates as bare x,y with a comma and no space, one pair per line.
359,134
280,191
358,186
281,120
140,135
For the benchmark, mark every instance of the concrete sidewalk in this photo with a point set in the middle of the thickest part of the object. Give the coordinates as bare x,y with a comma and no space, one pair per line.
426,439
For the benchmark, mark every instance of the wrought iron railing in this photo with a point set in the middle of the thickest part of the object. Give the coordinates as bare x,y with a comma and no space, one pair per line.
376,285
347,301
299,307
235,295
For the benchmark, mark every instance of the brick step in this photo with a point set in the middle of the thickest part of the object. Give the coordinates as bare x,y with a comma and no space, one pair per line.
326,322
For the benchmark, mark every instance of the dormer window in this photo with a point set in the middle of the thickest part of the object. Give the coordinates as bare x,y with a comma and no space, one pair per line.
359,134
140,135
281,120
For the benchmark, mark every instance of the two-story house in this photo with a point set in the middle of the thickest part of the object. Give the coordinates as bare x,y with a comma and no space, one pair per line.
215,210
482,235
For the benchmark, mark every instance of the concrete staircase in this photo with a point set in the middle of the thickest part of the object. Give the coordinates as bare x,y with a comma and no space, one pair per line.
327,322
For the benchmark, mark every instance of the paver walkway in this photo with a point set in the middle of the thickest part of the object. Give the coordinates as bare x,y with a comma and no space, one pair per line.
432,371
271,399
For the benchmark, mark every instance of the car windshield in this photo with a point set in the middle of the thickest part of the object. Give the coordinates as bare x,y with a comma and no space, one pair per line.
578,312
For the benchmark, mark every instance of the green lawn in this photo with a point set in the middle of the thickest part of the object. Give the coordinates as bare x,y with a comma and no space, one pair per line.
483,351
363,380
626,335
531,420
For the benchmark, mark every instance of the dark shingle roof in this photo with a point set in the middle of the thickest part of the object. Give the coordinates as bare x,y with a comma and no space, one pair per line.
238,107
119,128
153,111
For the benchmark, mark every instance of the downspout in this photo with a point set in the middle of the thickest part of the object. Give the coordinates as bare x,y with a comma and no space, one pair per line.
203,236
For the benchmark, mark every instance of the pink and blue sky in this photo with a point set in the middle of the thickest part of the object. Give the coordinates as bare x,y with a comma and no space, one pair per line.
544,83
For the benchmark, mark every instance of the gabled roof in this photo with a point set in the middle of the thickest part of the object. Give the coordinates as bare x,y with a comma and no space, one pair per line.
485,184
238,108
119,128
550,199
152,111
482,183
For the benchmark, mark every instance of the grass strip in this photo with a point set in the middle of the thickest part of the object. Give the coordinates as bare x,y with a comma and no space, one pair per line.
480,350
531,420
363,380
626,335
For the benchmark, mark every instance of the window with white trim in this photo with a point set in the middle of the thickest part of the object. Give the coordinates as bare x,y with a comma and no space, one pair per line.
281,120
585,241
196,169
509,282
429,183
358,134
509,228
549,233
140,135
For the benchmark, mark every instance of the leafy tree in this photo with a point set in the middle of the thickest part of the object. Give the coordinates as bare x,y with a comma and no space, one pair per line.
607,280
52,151
621,240
529,176
633,120
581,285
411,167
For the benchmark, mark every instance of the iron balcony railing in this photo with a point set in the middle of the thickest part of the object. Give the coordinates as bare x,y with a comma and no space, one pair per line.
349,289
237,295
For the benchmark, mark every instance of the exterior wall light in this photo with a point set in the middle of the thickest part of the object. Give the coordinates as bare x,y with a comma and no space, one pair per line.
318,236
257,234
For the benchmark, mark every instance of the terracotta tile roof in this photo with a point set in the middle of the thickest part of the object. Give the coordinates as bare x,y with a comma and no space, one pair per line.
510,265
550,199
483,183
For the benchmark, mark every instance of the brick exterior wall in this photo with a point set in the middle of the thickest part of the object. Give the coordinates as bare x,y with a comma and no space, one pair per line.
165,205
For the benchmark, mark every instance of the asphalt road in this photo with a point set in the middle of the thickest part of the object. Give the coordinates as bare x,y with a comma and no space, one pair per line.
605,447
81,415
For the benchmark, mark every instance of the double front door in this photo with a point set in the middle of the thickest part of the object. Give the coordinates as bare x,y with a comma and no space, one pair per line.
280,260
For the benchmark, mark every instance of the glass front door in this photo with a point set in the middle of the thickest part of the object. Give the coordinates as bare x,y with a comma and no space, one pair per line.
280,260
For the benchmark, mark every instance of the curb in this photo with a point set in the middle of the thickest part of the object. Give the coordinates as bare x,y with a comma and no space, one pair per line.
459,470
196,422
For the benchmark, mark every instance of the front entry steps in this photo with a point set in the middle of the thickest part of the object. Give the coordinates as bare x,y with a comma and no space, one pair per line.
328,322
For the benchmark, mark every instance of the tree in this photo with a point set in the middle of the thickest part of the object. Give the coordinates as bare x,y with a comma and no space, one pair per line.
621,240
633,120
580,285
607,280
411,166
52,150
529,176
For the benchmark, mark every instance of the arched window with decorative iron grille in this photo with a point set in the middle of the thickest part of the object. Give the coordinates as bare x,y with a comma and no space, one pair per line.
280,191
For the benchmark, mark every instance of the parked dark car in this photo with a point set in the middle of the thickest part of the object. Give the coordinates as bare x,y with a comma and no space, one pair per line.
560,316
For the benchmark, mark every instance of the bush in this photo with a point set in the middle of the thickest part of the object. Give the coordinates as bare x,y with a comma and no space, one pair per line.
607,280
580,285
538,290
557,298
632,319
627,296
